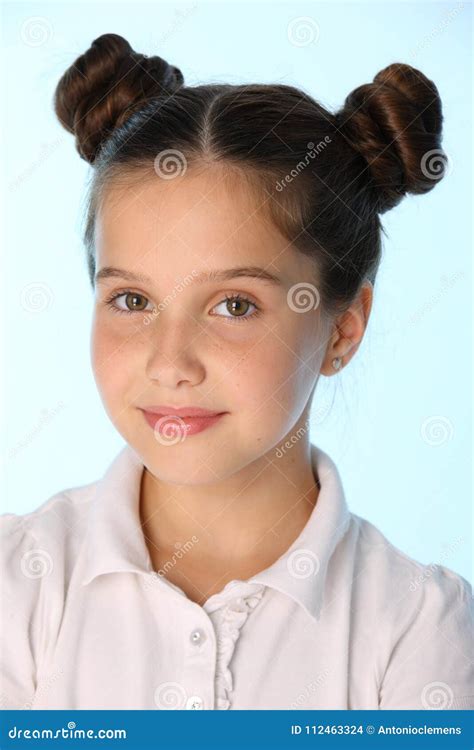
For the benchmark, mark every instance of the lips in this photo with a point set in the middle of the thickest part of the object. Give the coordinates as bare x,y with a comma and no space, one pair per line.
182,411
173,427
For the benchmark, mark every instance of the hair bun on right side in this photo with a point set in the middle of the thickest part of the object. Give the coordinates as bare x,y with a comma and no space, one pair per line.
395,123
104,86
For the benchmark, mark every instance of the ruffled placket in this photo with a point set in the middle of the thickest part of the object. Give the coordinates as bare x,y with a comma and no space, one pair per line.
229,620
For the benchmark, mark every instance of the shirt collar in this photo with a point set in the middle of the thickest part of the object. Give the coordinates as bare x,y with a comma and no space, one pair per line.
302,570
114,537
115,542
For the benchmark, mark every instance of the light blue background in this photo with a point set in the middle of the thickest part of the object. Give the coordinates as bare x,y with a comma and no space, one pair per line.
413,365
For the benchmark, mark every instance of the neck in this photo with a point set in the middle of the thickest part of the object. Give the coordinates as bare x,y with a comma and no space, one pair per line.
242,524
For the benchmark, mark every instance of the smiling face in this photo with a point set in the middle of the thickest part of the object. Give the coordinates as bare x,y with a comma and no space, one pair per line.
172,337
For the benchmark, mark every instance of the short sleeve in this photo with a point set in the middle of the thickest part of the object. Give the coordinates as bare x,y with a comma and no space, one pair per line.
431,665
22,567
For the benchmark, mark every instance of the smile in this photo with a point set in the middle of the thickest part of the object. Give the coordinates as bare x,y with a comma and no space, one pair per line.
169,424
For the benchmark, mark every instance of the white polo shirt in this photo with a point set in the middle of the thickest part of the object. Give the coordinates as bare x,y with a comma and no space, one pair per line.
342,620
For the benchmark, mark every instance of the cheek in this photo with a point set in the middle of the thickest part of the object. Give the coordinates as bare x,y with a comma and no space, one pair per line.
273,379
112,358
270,377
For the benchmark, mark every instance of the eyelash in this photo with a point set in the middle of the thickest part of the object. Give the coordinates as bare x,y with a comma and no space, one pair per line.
232,297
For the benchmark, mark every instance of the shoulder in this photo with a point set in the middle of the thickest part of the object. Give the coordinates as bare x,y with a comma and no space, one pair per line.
64,505
38,549
398,572
38,553
397,585
423,615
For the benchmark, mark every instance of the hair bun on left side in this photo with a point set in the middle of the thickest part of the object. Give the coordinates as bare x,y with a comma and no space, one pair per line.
395,123
104,86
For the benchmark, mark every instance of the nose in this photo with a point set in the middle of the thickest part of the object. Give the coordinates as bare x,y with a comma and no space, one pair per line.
173,355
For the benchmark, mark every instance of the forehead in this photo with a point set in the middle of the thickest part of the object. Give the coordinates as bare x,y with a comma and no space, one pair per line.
199,220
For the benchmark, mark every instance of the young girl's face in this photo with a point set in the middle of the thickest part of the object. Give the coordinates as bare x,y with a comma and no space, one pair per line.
170,337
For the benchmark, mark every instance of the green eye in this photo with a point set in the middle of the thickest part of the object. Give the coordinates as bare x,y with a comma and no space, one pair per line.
134,301
237,306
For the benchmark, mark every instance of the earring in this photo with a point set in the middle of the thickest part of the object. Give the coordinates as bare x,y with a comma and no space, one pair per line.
337,362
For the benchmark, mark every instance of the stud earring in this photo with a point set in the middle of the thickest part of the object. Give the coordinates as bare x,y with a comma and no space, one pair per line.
337,362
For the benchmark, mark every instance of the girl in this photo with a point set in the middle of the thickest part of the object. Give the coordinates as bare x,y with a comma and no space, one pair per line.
233,240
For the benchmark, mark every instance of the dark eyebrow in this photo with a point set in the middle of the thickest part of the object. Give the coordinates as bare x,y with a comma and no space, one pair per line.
226,274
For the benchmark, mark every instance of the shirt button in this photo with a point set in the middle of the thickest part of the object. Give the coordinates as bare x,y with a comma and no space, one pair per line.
197,636
194,702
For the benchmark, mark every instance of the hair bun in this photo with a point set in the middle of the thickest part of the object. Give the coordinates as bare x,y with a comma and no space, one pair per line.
395,124
104,86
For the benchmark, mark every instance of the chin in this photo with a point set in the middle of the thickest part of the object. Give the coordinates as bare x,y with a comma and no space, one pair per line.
184,473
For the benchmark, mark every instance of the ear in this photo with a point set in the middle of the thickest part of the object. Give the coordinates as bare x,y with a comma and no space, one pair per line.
348,330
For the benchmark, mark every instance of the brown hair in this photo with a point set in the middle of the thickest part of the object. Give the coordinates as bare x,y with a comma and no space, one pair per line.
125,109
